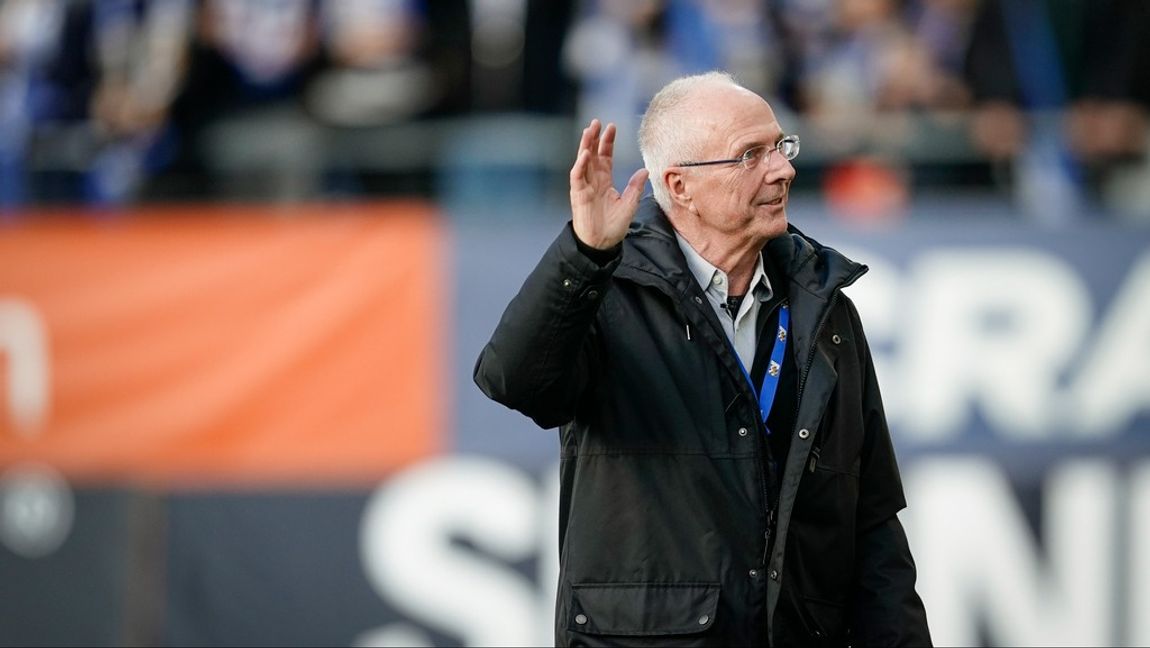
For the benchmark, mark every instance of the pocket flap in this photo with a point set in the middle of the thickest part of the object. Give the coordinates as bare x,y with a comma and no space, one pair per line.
643,608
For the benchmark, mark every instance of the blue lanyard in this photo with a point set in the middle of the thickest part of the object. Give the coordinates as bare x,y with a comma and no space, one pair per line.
766,391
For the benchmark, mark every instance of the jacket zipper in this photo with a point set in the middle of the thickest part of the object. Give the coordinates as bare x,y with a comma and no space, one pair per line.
762,445
772,503
767,537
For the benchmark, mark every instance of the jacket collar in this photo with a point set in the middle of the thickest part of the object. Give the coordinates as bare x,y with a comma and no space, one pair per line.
650,253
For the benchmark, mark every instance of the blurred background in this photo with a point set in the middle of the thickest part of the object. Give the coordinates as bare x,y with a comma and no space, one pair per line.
250,249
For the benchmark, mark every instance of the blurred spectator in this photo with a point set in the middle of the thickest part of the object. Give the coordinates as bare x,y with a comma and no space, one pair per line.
622,52
29,34
240,109
268,77
866,74
854,58
1060,92
745,40
620,55
848,72
141,53
375,74
113,72
114,100
498,46
930,66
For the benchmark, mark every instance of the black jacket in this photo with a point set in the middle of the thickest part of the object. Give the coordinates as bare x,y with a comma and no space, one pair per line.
669,534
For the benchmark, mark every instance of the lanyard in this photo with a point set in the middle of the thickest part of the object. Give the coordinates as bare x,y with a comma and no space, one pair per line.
766,391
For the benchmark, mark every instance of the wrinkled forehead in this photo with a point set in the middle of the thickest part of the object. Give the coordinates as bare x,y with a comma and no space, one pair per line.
727,115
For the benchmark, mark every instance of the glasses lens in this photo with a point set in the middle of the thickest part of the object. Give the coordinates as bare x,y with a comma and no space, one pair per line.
753,156
789,146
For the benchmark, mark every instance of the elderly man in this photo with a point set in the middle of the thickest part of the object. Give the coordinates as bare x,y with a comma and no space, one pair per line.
727,474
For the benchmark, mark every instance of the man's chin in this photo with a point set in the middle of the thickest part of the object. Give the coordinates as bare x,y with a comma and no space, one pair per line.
779,227
772,220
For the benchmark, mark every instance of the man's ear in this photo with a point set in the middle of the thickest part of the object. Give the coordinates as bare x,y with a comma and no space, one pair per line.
677,187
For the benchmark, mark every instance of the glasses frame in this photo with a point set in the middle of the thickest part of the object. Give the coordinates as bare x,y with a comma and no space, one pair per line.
745,157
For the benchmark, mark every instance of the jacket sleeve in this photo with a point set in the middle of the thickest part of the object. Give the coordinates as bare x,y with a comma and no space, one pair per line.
541,354
887,609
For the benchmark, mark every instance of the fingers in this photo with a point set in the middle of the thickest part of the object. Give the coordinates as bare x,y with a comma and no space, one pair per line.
593,143
590,139
596,148
588,143
634,189
578,177
607,143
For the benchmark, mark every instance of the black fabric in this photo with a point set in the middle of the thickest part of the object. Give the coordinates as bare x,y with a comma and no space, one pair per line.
732,305
600,257
664,461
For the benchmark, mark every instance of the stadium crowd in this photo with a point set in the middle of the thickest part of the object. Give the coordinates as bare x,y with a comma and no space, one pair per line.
118,101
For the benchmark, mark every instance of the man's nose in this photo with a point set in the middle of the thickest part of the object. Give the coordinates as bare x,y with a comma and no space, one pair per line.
778,168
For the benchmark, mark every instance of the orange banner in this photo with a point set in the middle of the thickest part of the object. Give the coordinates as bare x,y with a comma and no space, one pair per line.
240,344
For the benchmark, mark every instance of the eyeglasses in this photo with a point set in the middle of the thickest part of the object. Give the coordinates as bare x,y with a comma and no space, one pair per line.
787,146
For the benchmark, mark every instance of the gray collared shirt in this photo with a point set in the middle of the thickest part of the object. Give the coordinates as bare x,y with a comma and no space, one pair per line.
741,328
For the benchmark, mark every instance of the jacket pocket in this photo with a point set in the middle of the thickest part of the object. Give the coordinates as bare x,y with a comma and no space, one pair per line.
642,613
823,620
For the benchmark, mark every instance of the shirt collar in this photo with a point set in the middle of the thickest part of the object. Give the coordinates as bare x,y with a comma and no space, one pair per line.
704,272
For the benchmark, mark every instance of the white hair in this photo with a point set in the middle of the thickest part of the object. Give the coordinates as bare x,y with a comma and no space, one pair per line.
667,135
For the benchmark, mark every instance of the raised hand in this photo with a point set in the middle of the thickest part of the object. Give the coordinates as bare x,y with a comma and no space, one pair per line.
600,214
